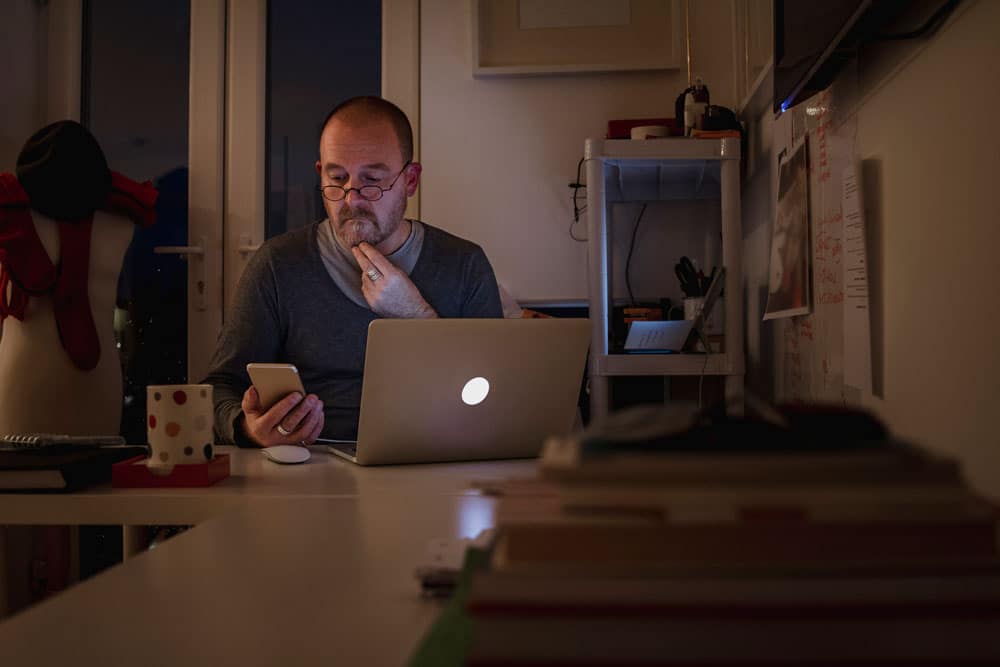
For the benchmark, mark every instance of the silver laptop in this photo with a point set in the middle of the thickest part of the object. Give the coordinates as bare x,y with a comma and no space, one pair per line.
466,389
674,335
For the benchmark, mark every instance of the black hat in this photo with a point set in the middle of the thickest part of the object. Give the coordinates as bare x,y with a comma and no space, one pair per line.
63,170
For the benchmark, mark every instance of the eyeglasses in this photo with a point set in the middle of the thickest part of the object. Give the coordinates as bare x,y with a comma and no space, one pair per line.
369,192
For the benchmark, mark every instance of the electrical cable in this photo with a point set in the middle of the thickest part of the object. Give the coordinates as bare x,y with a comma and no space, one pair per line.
628,261
701,379
577,209
929,27
573,224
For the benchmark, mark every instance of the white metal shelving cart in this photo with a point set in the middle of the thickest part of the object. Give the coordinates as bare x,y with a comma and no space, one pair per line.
622,170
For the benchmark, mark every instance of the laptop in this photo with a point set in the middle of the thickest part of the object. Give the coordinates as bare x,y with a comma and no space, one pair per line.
466,389
666,336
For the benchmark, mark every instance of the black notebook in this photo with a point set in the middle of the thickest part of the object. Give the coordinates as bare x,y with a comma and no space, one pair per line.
60,468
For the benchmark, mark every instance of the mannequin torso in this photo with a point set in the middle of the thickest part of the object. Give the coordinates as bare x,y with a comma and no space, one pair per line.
41,390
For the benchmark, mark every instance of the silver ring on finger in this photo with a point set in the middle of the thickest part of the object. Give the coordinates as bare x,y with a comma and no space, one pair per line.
373,274
281,429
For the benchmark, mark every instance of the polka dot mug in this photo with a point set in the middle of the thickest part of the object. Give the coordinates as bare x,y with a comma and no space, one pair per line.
179,425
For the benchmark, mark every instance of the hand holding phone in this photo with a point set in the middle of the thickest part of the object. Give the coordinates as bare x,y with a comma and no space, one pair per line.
274,382
277,410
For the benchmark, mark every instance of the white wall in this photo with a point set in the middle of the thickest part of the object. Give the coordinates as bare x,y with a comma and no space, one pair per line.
40,47
931,164
21,51
498,155
929,133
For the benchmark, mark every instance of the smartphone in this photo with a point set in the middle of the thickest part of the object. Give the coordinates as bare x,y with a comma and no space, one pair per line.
274,382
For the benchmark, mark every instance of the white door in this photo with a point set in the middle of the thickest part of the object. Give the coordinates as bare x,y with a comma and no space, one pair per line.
200,96
153,89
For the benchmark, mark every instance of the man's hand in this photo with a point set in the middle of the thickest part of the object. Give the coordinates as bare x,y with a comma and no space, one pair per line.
389,291
301,418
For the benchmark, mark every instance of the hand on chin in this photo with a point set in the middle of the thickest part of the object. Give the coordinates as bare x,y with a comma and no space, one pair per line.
359,230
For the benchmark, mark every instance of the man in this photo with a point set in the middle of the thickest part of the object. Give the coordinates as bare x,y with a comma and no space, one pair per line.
307,296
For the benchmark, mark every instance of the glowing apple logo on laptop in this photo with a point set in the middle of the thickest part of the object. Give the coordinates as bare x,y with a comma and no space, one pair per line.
475,390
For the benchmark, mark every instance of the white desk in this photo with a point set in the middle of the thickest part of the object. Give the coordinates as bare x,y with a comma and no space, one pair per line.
253,480
303,581
302,564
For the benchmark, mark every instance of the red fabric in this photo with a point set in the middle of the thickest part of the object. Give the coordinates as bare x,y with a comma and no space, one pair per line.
16,303
26,269
71,300
132,199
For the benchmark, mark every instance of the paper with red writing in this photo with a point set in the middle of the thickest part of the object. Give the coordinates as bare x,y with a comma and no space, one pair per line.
857,319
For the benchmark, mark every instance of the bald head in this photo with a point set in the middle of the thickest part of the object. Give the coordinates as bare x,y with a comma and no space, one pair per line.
368,110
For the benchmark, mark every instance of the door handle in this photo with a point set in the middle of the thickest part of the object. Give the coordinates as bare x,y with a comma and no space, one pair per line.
182,250
200,273
246,246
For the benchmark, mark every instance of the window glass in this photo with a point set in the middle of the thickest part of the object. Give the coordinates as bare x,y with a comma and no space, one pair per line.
135,101
319,54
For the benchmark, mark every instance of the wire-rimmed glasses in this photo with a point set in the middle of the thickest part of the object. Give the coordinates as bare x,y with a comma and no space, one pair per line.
369,192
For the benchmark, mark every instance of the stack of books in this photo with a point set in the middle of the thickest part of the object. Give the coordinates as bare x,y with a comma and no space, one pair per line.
868,553
48,462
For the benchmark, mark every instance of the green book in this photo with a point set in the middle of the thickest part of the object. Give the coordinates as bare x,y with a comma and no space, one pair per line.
447,642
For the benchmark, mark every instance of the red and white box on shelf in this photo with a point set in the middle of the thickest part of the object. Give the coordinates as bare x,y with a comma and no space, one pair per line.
134,473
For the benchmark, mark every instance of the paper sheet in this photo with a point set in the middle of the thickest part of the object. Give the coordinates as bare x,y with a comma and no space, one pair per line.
857,318
663,335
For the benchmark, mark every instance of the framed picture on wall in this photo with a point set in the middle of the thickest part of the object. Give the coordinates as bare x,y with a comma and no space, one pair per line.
533,37
788,284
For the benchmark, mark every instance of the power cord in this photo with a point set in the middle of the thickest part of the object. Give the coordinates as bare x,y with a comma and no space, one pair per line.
576,186
701,379
701,323
628,261
930,26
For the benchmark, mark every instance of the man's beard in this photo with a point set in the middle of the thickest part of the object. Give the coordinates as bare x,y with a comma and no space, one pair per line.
357,225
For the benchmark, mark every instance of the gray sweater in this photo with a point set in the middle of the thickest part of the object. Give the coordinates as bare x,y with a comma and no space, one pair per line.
287,308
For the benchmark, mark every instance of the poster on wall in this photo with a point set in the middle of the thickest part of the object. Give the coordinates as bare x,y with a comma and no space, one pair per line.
788,284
